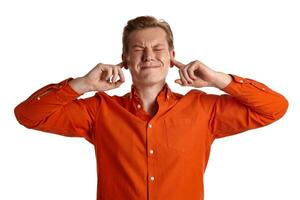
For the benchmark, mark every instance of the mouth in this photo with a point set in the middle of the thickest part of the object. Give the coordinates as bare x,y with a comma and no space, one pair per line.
149,67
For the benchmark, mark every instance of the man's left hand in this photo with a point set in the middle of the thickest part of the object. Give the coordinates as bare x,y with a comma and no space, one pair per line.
199,75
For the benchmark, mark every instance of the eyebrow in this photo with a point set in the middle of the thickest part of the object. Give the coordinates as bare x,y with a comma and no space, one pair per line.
138,45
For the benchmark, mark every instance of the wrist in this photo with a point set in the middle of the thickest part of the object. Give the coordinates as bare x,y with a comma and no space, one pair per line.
80,85
222,80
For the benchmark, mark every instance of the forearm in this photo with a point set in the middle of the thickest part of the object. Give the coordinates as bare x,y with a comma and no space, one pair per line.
258,97
56,108
222,80
248,104
79,85
43,103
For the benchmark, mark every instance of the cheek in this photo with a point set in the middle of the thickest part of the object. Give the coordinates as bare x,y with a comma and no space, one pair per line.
161,53
134,59
165,58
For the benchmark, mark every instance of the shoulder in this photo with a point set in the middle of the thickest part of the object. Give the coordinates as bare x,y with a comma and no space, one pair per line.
104,97
206,99
195,93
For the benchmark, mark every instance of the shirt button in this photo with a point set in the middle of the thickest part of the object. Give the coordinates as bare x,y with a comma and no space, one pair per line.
263,88
241,81
150,125
151,151
168,97
152,178
38,98
138,106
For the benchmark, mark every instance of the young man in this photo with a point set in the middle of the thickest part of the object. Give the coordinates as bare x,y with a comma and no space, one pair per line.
151,143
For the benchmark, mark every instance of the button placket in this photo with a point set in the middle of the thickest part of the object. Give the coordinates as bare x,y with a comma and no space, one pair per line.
151,154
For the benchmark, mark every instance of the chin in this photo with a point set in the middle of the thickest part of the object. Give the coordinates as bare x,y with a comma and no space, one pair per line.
152,81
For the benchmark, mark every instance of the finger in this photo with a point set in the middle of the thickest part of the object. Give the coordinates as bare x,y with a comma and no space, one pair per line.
191,73
115,74
179,82
120,64
116,84
98,65
186,75
177,63
121,74
182,78
202,83
108,70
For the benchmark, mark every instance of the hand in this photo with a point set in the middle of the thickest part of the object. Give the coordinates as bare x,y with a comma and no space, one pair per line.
101,78
199,75
104,77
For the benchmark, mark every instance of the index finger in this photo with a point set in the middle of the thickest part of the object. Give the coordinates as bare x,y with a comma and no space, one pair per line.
177,63
120,64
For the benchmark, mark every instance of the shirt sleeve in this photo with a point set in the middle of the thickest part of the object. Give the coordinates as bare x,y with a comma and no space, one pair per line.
248,104
56,109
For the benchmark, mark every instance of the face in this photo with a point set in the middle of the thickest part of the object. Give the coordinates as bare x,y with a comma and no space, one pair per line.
148,57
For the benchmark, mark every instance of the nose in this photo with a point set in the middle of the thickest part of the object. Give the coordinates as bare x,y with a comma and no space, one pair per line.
148,55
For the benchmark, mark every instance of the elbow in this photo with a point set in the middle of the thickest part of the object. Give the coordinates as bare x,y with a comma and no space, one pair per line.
20,116
281,108
18,113
284,106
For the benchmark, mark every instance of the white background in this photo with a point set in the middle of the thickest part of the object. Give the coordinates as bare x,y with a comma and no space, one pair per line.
45,42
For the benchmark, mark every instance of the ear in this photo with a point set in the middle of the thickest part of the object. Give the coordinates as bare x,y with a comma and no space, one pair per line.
172,56
124,60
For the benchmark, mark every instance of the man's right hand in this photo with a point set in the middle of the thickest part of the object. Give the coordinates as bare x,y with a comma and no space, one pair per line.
101,78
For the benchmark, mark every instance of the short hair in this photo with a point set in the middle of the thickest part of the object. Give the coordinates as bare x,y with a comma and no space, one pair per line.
143,22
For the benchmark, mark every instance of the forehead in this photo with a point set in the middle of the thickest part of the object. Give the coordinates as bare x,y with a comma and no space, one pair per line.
145,36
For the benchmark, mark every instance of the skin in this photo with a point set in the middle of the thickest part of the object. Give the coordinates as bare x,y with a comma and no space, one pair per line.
149,60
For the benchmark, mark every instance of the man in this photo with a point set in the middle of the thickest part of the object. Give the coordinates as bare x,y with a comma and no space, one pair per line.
151,143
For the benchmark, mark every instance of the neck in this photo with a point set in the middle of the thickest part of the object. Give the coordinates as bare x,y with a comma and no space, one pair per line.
148,94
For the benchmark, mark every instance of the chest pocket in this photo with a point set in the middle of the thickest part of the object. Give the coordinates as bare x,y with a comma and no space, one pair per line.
180,134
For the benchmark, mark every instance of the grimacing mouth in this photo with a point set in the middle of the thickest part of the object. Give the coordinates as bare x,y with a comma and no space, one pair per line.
151,65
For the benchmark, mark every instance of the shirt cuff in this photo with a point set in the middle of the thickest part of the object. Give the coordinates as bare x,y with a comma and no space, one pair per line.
236,81
62,90
65,90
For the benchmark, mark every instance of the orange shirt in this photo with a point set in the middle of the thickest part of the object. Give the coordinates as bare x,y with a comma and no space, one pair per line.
152,158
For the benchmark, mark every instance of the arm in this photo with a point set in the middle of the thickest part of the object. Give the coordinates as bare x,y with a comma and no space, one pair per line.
249,104
56,109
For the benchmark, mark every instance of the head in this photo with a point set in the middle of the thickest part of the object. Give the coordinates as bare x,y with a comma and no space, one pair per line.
147,49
